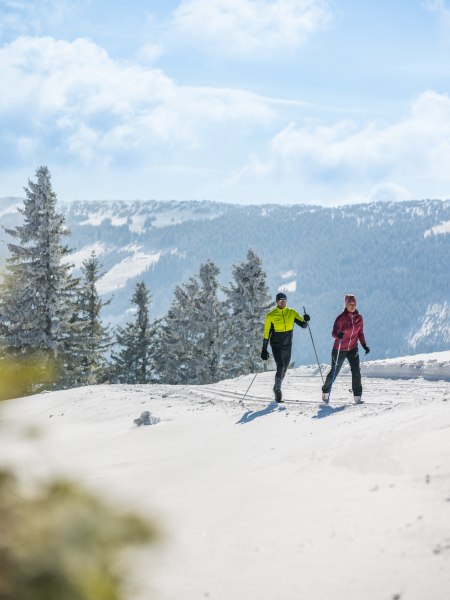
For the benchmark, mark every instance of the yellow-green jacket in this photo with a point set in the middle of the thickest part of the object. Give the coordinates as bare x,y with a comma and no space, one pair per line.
279,325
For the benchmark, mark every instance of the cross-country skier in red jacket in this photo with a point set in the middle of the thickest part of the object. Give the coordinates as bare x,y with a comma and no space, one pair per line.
348,329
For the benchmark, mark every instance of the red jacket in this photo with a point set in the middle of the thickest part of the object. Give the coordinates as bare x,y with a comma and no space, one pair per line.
353,327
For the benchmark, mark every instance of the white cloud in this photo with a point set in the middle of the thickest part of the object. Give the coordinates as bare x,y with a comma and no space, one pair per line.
391,161
388,192
288,275
251,26
150,53
290,287
441,8
95,107
66,103
21,17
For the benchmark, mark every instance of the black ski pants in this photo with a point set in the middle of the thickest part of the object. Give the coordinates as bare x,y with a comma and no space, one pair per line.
282,357
353,358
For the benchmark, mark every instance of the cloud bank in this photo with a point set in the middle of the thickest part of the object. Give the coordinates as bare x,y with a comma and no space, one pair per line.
75,106
251,27
73,96
379,161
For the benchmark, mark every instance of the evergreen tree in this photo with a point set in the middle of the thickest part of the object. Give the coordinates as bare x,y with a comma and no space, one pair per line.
190,342
132,363
89,339
37,290
247,302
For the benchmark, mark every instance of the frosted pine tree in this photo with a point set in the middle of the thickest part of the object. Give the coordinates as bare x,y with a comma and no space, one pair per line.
90,339
132,362
37,288
190,341
247,302
173,361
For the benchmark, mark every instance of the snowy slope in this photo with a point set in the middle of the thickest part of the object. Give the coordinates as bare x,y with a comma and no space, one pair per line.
435,365
10,206
260,501
434,325
398,257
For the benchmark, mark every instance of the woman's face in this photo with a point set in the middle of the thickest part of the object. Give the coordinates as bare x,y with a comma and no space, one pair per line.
351,307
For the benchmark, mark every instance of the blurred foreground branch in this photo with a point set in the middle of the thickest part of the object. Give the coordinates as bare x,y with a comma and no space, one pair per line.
63,543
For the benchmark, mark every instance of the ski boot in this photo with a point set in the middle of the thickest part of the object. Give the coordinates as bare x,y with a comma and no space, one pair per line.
357,400
325,397
277,391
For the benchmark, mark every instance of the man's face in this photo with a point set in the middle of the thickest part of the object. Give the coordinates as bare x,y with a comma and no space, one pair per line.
351,306
282,303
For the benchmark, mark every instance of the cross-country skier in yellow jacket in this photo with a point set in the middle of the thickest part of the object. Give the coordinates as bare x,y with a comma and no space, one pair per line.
278,329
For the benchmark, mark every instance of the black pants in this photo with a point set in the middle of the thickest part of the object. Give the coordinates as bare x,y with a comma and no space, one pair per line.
282,357
353,358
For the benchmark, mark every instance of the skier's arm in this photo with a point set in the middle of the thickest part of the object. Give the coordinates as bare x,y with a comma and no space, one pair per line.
264,352
267,328
362,338
337,328
300,320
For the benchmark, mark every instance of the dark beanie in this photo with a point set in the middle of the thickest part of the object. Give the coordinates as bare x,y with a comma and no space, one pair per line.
280,296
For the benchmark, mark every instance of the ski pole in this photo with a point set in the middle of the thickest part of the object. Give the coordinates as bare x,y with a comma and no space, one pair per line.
335,367
251,383
317,358
360,365
363,360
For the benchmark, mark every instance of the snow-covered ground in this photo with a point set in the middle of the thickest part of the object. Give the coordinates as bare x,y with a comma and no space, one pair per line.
262,501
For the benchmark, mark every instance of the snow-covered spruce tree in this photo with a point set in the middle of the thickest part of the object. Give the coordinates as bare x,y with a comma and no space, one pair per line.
132,362
247,302
190,341
89,340
37,290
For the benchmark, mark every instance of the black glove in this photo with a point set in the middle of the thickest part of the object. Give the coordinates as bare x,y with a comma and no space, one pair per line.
340,335
306,317
366,348
264,354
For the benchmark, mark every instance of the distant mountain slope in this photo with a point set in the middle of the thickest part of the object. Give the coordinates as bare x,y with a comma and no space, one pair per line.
393,256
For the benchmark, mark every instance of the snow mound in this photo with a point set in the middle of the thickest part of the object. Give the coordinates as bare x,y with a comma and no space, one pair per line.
434,365
146,418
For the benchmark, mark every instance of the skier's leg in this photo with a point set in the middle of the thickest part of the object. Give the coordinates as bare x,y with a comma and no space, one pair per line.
278,357
342,355
286,358
353,359
277,389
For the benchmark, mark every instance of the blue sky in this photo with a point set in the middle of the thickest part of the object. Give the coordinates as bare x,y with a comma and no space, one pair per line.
251,101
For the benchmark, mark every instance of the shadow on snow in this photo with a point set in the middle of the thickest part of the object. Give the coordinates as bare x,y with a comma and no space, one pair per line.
326,411
251,415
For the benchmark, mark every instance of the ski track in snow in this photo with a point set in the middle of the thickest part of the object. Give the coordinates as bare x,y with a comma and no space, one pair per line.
258,500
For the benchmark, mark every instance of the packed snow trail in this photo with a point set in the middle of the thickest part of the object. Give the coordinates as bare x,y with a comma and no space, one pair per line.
259,500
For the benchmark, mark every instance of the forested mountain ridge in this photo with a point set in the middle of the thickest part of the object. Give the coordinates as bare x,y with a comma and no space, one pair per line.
393,256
